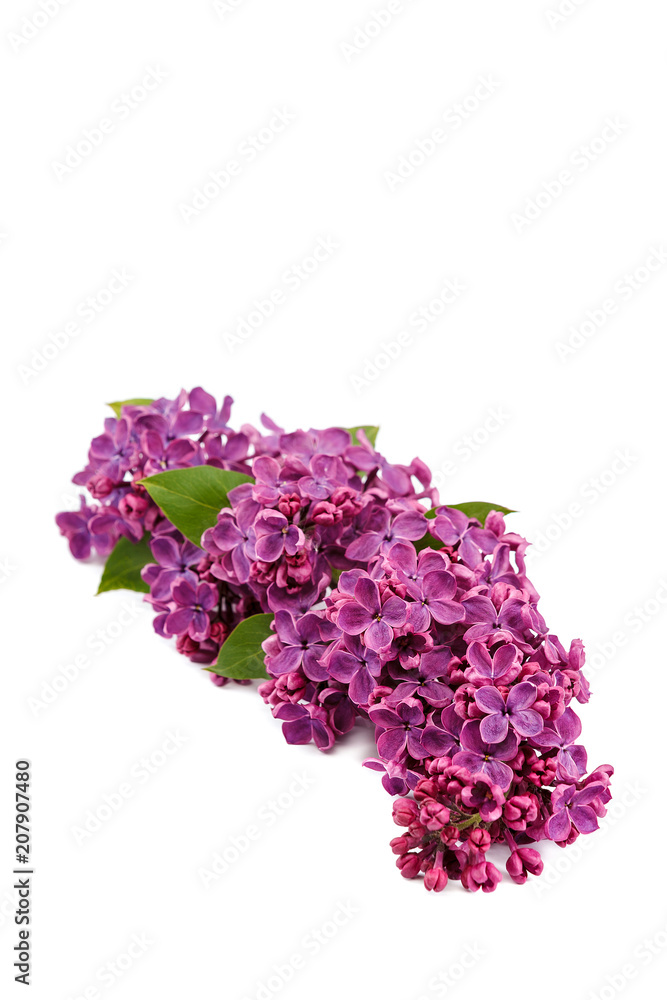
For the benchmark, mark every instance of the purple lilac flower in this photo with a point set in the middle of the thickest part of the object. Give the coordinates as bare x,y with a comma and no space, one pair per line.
479,756
234,534
356,665
397,779
173,561
453,527
485,797
401,729
562,733
368,614
74,525
500,712
327,473
573,808
384,532
506,624
432,598
114,451
424,681
192,605
275,535
305,724
442,735
496,668
301,646
270,480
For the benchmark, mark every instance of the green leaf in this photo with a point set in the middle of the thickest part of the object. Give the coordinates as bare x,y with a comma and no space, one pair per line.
475,508
241,656
192,498
480,510
370,432
117,407
428,541
124,564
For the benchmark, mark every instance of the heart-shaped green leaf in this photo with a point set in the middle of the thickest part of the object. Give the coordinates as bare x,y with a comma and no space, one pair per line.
122,570
370,432
241,656
117,407
193,498
480,510
475,508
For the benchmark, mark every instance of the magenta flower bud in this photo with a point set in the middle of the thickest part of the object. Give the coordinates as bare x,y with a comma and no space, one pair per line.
484,796
481,839
523,861
391,588
433,815
484,875
218,680
186,645
266,690
532,860
438,765
263,573
347,501
378,693
399,845
409,865
100,486
519,811
435,879
404,812
133,507
294,570
218,633
464,703
289,504
290,687
426,789
325,513
449,835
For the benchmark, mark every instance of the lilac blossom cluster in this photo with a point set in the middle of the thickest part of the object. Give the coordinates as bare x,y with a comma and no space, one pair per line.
388,609
283,537
192,605
147,439
309,515
444,651
279,543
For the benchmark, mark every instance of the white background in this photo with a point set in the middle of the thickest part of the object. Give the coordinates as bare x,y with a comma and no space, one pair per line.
564,421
